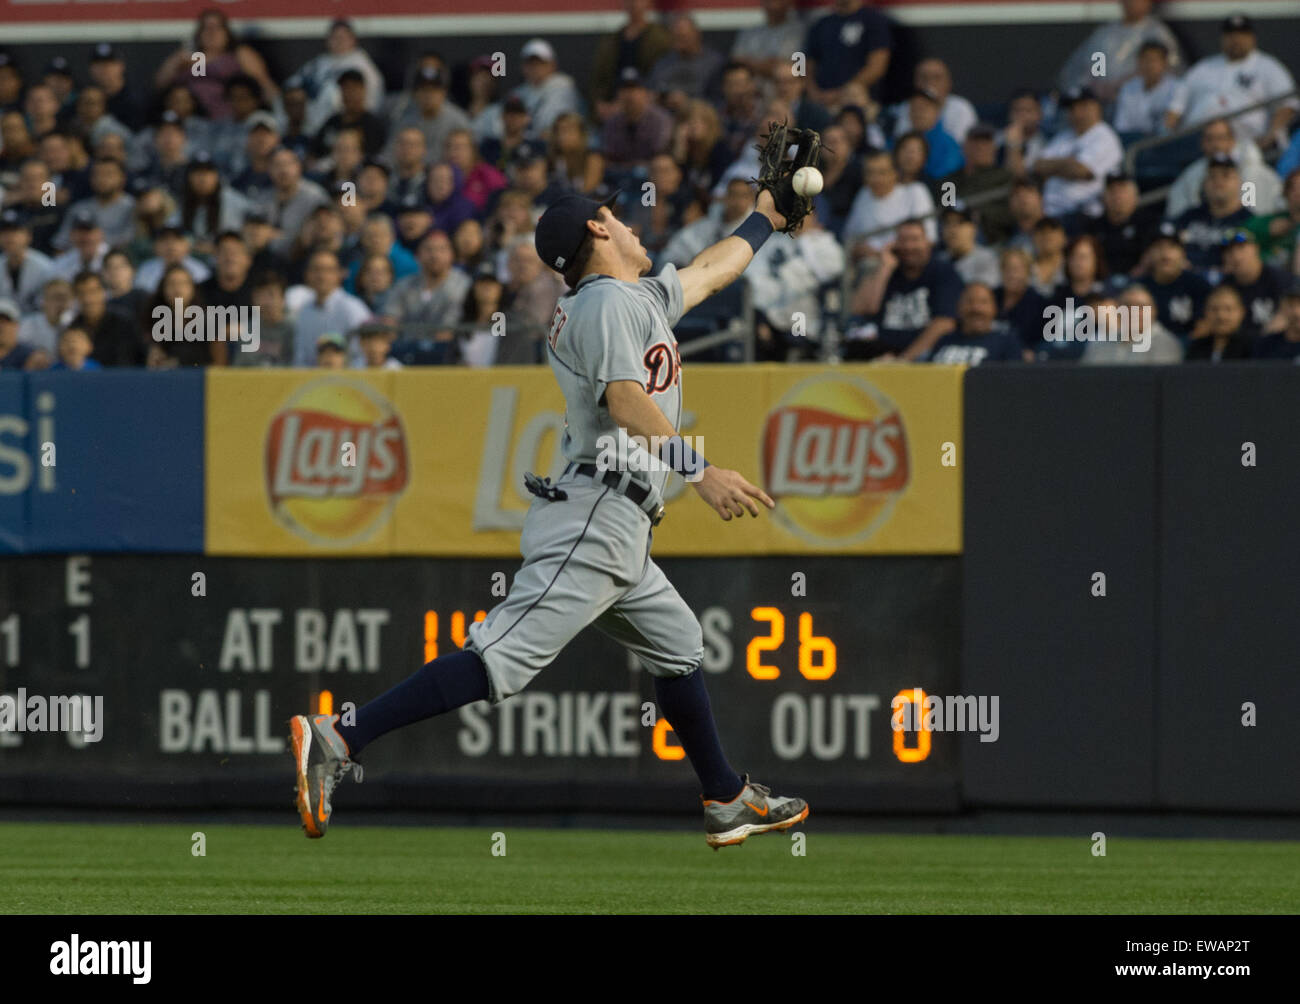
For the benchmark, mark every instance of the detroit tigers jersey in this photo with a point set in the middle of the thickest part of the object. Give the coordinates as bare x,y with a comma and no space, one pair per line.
607,330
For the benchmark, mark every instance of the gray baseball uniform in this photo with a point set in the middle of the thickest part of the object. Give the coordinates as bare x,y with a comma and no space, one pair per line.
587,557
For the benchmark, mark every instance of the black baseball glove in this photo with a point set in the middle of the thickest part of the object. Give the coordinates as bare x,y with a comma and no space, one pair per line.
777,168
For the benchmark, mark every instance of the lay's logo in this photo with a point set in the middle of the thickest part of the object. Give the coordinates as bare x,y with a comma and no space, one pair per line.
336,460
835,458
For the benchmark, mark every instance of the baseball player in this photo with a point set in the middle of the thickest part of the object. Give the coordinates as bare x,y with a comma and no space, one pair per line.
586,538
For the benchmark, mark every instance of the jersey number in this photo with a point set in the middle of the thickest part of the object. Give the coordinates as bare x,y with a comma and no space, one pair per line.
557,322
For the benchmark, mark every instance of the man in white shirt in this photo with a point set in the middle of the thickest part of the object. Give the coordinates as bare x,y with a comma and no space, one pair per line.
1119,42
956,114
770,46
320,75
23,271
1239,76
88,247
322,307
1075,162
171,246
884,203
723,217
1144,101
546,93
1219,139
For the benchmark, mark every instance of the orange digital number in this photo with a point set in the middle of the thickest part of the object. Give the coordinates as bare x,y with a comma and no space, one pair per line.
458,634
760,644
917,753
810,643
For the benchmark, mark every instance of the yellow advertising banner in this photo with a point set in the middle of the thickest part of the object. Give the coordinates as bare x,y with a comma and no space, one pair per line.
860,459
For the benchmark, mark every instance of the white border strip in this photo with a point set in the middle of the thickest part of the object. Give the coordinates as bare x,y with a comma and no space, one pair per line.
592,23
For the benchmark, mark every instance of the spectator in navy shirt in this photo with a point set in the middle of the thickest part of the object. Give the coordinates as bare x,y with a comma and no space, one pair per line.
912,297
1123,229
850,45
1260,286
1222,337
1179,293
1019,304
1205,227
1284,344
981,337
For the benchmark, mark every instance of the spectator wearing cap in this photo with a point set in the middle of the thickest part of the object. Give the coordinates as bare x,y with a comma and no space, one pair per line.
223,57
1223,336
483,109
945,156
690,69
162,154
1205,227
911,300
108,73
959,230
251,171
42,109
91,120
881,205
112,207
1237,77
199,130
1179,293
353,114
226,139
979,174
321,306
292,199
427,305
11,83
1260,286
413,218
1283,343
14,354
639,129
23,271
979,336
546,92
1075,162
1277,232
1152,347
1119,41
322,75
332,351
1022,141
230,284
1049,241
346,156
515,130
850,45
258,233
1142,105
431,112
446,200
376,337
528,174
57,76
119,281
1219,139
171,247
292,118
41,328
636,45
15,146
209,206
956,114
116,335
480,180
1124,228
770,47
1020,305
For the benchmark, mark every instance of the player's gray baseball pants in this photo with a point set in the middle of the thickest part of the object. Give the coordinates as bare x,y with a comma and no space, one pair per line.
586,560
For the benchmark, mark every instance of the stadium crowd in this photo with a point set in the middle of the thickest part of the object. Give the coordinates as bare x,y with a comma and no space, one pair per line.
381,229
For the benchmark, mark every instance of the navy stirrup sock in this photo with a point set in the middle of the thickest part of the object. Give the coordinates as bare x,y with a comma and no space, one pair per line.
439,686
684,701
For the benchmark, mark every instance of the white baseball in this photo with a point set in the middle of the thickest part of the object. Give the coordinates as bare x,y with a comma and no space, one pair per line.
807,181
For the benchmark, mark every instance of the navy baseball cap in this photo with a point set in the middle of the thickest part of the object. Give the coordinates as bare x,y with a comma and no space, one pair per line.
11,219
1076,94
1237,22
561,229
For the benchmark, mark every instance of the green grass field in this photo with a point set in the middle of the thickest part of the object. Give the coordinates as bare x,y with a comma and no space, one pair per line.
149,868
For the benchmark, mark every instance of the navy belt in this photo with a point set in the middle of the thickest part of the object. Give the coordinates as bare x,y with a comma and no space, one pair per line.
639,494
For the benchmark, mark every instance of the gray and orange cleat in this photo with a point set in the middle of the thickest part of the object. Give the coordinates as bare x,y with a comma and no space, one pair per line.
322,759
754,810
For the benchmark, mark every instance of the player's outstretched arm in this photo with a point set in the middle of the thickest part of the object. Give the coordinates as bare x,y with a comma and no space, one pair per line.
718,266
727,492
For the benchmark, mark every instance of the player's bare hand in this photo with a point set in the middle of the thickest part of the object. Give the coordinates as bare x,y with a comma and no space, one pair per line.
729,493
765,205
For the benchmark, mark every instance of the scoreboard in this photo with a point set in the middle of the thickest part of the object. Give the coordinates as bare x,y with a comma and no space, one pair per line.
200,661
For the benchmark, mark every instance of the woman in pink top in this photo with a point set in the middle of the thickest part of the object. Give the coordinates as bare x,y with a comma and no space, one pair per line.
223,58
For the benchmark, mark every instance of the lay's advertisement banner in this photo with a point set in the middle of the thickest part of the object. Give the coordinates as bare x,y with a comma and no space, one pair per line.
860,460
